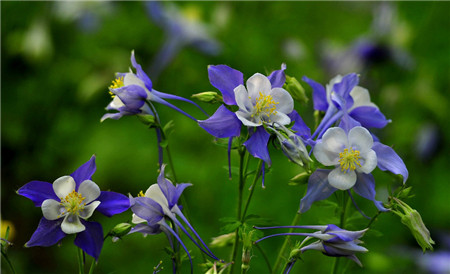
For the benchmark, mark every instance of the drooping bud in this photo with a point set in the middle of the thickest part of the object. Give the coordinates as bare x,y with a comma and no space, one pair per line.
119,231
412,219
292,146
301,178
208,97
295,89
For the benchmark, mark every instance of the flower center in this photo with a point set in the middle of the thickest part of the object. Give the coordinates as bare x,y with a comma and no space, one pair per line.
116,83
141,194
349,159
265,105
73,202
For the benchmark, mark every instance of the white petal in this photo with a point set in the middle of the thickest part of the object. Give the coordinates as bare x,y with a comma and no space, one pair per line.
63,186
116,103
284,100
324,156
132,79
52,209
89,190
370,162
360,139
89,209
155,193
330,85
256,84
361,97
71,224
341,180
136,219
242,99
335,140
246,119
279,118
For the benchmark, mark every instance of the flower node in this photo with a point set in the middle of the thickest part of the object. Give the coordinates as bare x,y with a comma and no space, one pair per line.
116,83
265,105
349,159
73,202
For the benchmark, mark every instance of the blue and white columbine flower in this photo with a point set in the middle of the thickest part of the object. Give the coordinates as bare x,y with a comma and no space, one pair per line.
160,201
354,156
67,204
262,101
343,100
332,241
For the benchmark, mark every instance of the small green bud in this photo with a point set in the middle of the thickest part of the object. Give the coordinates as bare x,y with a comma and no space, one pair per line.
147,119
295,89
120,230
412,219
223,240
208,97
300,178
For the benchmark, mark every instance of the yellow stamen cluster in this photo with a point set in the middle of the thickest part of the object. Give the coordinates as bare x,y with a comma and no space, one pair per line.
141,194
349,159
116,83
265,105
73,202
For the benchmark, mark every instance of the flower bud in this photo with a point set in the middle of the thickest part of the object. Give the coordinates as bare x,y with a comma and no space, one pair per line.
147,119
301,178
223,240
292,146
208,97
120,230
295,89
412,219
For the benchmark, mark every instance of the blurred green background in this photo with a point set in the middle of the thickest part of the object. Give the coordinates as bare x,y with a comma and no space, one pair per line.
58,58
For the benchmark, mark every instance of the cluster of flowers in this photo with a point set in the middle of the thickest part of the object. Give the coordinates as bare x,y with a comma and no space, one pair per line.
251,113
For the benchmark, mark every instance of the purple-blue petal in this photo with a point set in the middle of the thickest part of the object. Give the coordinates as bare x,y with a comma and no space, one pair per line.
389,160
300,128
164,102
277,77
38,192
257,145
147,209
140,73
114,116
47,233
369,117
225,79
175,97
223,123
84,172
145,229
319,94
91,239
347,122
171,192
112,203
365,187
318,189
132,96
346,85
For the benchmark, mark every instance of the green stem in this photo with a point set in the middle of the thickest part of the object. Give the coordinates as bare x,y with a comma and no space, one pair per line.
80,261
285,243
252,188
266,259
91,270
373,219
8,261
345,204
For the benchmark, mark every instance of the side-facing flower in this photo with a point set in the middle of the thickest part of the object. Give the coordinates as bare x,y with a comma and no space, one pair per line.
159,202
133,92
354,156
343,98
67,204
331,240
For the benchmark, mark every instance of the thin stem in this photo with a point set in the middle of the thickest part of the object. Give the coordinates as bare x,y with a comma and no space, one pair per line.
8,261
373,219
266,259
80,261
345,204
285,243
91,270
252,188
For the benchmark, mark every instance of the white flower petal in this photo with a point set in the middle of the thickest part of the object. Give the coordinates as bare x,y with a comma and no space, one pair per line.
284,100
136,219
52,209
360,139
324,156
341,180
242,99
361,97
246,119
335,140
370,162
132,79
89,190
279,118
89,209
116,103
71,224
155,193
63,186
256,84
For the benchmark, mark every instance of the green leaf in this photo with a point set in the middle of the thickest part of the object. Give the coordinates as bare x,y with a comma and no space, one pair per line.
230,227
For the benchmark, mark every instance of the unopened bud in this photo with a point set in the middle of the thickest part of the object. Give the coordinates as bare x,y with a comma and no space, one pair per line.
147,119
295,89
120,230
300,178
208,97
223,240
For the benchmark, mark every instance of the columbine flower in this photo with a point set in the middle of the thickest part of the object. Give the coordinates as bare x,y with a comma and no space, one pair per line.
332,241
343,100
132,94
67,204
183,28
160,201
354,155
261,102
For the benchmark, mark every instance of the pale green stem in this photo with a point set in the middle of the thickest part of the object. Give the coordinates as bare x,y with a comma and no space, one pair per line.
285,243
345,204
80,261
